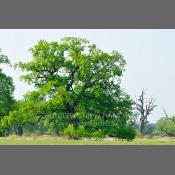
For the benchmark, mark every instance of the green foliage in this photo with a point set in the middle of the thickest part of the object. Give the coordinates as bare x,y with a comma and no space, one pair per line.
127,133
6,90
122,132
70,131
98,134
56,123
4,59
165,126
80,132
74,79
6,94
74,133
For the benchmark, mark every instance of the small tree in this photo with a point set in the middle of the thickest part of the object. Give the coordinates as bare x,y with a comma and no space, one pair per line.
166,126
145,108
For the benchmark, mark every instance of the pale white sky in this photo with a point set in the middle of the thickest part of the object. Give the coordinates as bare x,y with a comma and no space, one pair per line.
150,56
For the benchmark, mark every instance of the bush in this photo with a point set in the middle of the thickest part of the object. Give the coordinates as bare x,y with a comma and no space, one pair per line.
75,133
124,132
127,133
98,134
70,131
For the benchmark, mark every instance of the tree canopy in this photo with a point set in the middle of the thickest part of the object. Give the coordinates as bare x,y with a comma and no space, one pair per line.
77,87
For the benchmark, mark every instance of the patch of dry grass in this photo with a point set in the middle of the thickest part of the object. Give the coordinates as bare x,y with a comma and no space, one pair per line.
54,140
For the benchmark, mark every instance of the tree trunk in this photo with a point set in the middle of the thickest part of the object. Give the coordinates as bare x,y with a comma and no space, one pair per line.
141,127
19,131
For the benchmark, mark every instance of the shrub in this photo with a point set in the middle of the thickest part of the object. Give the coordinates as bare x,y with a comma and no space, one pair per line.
98,134
70,131
80,132
125,132
75,133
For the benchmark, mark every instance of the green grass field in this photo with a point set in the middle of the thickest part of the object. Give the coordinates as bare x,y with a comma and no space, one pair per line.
51,140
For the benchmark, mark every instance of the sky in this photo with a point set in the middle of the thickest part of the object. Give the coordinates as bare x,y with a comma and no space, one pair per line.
149,53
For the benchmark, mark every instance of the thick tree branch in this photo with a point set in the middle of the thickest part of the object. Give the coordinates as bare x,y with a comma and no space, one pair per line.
70,83
168,133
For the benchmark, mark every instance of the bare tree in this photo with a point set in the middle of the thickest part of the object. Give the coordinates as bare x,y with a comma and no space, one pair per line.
145,108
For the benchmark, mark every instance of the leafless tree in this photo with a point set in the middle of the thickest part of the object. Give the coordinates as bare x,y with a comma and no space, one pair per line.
145,108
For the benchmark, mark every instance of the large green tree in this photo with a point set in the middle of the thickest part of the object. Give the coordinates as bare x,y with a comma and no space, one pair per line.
6,89
78,85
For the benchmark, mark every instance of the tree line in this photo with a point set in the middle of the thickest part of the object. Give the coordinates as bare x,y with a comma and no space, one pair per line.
77,93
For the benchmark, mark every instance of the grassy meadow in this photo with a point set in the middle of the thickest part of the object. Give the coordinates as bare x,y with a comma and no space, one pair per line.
53,140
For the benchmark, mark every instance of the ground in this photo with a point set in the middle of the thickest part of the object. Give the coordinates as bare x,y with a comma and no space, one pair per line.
51,140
